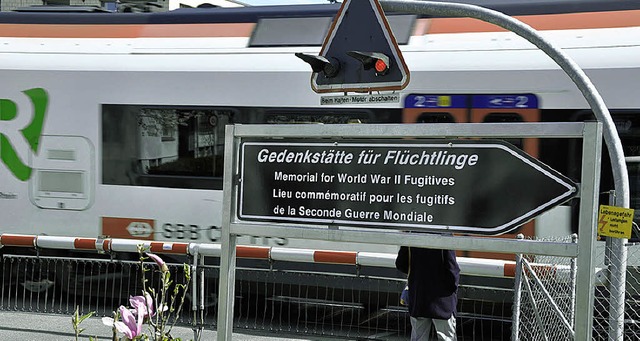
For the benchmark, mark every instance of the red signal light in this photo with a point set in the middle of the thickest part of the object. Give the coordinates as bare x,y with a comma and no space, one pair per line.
372,60
381,66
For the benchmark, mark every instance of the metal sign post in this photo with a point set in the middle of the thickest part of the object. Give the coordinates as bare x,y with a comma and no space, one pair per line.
237,210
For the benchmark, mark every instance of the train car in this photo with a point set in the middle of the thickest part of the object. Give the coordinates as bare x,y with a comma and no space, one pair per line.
113,124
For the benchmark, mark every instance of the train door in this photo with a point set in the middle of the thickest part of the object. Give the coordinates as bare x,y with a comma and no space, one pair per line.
508,109
435,109
421,108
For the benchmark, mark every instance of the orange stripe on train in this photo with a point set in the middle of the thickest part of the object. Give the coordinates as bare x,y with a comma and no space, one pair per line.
126,30
568,21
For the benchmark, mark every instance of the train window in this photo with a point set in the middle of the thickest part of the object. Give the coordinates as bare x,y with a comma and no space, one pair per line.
435,117
505,118
402,26
290,31
633,168
628,127
183,147
164,147
311,31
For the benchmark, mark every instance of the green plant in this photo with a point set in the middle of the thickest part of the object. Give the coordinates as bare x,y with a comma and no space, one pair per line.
158,308
76,320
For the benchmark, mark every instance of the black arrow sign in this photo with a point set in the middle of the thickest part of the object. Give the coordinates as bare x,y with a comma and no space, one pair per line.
477,187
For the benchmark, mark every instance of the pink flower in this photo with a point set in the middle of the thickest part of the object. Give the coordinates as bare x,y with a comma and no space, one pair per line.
161,264
128,326
142,304
132,319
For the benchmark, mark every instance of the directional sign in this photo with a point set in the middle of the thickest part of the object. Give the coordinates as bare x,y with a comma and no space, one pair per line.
436,101
477,187
519,101
361,52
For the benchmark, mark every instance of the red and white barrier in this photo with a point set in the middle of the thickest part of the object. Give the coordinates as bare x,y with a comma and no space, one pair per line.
468,266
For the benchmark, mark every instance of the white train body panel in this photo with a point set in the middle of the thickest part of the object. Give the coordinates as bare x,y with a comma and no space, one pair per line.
82,75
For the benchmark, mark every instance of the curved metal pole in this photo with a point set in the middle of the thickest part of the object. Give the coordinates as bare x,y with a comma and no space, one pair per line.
611,138
610,135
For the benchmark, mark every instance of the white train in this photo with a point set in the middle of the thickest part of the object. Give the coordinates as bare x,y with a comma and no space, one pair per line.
113,124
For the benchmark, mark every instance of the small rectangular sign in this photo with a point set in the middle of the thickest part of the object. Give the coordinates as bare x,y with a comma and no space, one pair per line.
128,228
519,101
435,101
615,221
360,99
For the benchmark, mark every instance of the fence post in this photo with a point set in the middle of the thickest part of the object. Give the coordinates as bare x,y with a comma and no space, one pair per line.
195,297
616,257
587,226
574,273
517,296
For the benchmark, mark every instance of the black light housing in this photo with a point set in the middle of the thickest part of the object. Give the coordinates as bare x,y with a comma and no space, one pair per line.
329,67
372,60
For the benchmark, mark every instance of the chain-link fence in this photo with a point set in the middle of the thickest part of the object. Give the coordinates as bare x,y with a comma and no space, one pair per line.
604,322
545,296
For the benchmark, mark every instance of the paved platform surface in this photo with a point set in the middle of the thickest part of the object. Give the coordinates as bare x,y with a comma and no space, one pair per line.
36,327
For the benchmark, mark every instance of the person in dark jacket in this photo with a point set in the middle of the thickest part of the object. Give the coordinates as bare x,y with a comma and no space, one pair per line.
433,277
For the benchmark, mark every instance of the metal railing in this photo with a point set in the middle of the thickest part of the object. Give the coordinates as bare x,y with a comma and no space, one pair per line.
298,291
323,293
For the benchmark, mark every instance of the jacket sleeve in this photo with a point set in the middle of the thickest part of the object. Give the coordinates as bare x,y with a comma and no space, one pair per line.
453,269
402,260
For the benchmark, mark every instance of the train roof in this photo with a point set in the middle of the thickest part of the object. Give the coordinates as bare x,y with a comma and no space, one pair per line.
252,14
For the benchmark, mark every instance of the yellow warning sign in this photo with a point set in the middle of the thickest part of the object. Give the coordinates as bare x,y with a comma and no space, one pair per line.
615,221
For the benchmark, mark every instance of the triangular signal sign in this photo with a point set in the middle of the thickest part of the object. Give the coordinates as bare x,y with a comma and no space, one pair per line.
359,43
